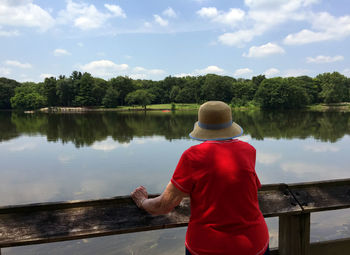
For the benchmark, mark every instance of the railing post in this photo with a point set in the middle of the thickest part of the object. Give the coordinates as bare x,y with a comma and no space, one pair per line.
294,234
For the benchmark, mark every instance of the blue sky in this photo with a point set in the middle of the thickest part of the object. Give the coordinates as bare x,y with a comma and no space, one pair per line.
151,39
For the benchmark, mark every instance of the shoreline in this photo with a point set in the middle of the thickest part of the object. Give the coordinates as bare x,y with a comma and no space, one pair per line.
340,107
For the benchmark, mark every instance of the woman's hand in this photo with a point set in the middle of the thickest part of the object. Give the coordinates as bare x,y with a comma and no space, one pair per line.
162,204
139,195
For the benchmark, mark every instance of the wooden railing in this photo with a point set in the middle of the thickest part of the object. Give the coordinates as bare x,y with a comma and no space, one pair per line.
292,203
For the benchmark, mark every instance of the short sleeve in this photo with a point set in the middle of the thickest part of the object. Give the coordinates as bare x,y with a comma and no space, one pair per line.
182,177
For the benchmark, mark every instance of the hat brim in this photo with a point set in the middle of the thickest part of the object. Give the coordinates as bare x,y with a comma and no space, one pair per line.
202,134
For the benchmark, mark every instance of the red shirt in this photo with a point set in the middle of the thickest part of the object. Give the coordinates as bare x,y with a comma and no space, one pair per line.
225,216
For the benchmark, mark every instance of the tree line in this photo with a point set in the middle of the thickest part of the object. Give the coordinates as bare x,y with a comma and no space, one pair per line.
82,89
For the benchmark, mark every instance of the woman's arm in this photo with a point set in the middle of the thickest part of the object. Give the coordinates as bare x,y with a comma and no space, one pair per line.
162,204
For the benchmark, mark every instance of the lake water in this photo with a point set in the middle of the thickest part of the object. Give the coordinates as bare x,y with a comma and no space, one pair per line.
57,157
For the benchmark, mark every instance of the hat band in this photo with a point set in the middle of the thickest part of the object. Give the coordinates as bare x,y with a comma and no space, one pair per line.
214,126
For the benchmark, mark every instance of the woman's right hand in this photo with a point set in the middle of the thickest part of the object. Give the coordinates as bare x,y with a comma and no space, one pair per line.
139,195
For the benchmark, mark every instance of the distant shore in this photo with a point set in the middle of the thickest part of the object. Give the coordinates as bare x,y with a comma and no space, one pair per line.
340,107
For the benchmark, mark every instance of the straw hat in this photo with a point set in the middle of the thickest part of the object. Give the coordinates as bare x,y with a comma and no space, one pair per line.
215,122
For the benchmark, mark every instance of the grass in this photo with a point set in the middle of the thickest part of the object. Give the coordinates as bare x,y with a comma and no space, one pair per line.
343,107
161,107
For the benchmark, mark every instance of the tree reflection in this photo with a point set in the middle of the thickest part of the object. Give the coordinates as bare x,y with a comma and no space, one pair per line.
87,128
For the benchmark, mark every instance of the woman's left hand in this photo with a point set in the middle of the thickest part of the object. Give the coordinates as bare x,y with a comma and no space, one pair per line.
139,195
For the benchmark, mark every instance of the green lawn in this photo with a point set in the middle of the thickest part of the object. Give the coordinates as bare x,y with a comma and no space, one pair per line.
162,107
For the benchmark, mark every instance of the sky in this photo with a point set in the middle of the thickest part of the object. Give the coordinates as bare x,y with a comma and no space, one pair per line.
153,39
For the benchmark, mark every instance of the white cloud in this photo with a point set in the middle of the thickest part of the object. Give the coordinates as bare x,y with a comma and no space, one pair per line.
325,27
321,148
147,24
264,50
271,72
18,64
170,13
209,69
86,16
296,72
116,10
7,33
262,16
238,38
208,12
242,72
143,73
204,71
324,59
268,158
232,17
61,52
24,14
46,75
180,75
80,44
5,71
104,68
162,22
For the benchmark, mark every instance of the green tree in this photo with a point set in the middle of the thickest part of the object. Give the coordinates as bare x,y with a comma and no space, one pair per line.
7,90
50,91
27,97
86,96
140,97
243,92
99,90
123,85
65,91
111,97
217,87
334,87
175,91
258,79
281,93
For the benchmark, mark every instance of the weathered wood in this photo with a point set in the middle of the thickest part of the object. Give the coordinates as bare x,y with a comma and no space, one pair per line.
324,195
276,199
51,222
334,247
294,234
36,226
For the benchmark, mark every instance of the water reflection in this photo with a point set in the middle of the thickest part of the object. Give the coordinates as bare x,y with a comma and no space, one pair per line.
86,129
55,157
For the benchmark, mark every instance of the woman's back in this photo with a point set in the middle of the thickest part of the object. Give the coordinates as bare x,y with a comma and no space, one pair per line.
221,180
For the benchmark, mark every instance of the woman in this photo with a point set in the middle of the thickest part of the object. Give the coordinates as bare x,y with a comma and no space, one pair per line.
219,176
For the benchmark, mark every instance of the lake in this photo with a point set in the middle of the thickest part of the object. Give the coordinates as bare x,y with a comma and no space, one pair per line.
57,157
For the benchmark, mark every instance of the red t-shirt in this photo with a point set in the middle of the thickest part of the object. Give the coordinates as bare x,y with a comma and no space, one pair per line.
225,216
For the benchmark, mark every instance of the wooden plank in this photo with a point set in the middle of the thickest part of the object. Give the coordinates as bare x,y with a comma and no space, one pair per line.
320,196
334,247
22,228
51,222
276,199
294,234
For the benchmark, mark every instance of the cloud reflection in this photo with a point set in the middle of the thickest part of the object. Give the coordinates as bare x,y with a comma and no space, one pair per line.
267,158
321,148
302,170
22,147
108,145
